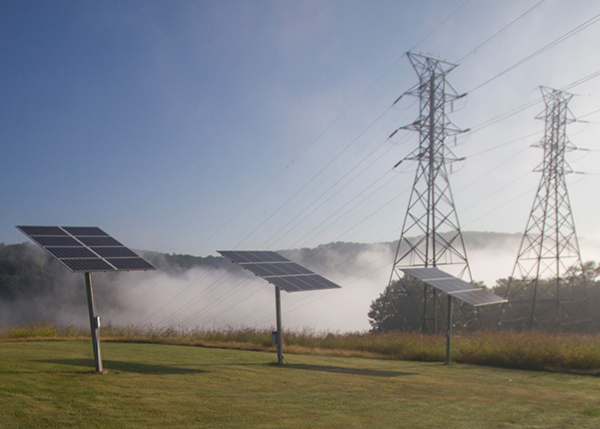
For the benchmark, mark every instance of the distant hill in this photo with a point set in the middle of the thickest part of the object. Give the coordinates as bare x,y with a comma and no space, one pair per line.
27,271
34,286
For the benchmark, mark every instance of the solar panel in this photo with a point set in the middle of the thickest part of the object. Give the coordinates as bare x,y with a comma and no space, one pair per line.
99,241
114,252
278,270
71,252
45,241
86,265
453,286
84,230
426,273
479,297
85,248
255,256
42,230
127,264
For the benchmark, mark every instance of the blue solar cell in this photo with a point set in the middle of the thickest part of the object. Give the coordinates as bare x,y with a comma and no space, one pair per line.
114,252
426,273
100,241
70,245
242,257
258,269
304,283
130,263
276,269
87,264
66,241
267,256
84,230
42,230
293,268
71,252
478,298
453,286
234,256
280,271
322,283
284,283
250,256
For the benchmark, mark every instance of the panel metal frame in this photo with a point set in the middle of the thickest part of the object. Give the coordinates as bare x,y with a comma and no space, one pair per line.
76,237
102,252
283,274
454,288
278,270
459,289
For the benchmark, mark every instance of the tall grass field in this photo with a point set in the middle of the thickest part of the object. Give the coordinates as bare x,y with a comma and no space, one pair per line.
519,350
51,384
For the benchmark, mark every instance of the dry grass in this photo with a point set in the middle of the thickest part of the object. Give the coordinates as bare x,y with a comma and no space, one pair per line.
519,350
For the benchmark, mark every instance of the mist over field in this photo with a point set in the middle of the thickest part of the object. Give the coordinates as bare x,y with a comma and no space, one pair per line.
212,292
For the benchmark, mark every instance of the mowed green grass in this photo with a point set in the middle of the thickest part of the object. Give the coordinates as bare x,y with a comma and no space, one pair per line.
52,384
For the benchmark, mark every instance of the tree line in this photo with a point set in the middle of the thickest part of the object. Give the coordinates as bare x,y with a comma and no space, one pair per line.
574,306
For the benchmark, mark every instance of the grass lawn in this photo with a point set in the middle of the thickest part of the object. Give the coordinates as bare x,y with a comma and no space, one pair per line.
52,384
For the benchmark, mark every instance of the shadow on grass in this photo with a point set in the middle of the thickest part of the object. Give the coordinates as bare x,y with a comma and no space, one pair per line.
116,365
344,370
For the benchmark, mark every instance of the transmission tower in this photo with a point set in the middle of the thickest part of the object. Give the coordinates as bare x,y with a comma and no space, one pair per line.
431,235
542,291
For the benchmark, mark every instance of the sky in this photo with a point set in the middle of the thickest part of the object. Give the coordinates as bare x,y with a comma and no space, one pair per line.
195,126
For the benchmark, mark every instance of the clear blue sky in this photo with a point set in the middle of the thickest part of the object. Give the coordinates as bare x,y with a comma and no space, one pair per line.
159,121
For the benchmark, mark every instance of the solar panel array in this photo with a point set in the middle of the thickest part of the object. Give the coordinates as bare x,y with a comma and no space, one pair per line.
85,248
280,271
455,287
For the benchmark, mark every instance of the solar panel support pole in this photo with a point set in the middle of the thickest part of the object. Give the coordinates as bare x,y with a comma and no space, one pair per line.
279,332
94,321
449,332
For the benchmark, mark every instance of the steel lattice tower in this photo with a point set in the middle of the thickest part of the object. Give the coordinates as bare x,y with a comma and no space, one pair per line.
431,235
540,296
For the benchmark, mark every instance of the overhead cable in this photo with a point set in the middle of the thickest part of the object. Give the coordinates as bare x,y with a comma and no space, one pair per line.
550,45
502,30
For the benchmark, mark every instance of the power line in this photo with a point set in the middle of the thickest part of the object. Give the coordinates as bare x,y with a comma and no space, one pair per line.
223,297
503,144
346,285
344,206
501,205
495,192
549,247
352,104
439,25
330,189
588,114
187,305
303,151
321,296
550,45
502,30
225,276
472,182
372,214
240,302
582,80
176,296
313,178
311,143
